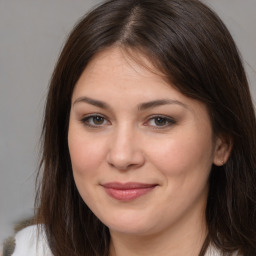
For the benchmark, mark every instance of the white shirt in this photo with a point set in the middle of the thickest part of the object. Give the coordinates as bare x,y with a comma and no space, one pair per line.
33,243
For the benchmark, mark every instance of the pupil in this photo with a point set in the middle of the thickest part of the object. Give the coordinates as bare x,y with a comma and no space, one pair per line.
160,121
98,120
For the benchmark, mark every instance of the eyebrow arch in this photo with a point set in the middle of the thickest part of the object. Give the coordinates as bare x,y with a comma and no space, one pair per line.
93,102
160,102
141,107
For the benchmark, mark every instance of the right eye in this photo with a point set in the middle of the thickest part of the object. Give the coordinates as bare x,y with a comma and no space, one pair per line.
94,121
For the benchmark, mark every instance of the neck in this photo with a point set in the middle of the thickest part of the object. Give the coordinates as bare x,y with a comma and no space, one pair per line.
178,240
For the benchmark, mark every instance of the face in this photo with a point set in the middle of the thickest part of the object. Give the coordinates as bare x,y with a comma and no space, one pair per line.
141,151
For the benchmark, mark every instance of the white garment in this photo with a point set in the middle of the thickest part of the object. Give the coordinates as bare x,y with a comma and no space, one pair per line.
29,244
212,251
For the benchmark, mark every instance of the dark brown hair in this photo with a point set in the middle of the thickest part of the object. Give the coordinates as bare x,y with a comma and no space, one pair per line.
191,46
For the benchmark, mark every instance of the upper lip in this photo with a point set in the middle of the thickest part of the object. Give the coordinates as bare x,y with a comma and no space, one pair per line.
128,185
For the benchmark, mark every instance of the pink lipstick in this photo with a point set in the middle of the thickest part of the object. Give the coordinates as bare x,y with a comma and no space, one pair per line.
127,191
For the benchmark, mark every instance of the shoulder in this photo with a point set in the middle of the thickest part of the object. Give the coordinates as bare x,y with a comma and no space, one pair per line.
29,241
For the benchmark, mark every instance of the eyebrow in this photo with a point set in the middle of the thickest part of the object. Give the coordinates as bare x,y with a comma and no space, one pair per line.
141,107
93,102
160,102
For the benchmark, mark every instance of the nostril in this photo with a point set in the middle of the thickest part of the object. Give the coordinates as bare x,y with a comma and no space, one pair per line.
125,161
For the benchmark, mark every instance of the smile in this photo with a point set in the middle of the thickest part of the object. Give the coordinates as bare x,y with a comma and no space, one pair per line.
127,191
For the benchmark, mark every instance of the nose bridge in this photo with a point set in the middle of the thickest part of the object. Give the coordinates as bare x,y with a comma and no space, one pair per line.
124,149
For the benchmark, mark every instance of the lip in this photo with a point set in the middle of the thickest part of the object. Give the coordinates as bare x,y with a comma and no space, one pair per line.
127,191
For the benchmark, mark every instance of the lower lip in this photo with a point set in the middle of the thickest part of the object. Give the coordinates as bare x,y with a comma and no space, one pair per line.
127,194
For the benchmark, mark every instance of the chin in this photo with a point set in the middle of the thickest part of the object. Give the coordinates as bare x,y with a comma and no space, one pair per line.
134,229
131,224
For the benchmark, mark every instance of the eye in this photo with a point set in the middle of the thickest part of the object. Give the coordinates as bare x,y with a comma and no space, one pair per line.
160,122
94,121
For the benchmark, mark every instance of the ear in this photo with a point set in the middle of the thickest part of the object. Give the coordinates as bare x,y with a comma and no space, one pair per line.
223,147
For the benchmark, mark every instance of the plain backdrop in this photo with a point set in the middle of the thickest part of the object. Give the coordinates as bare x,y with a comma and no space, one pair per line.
32,33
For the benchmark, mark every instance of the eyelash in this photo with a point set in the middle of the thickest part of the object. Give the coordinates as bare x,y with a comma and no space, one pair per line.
86,120
167,121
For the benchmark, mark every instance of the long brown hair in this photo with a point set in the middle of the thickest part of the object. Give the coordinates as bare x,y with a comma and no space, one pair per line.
191,46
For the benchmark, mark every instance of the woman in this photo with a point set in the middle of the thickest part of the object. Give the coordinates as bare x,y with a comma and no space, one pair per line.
148,139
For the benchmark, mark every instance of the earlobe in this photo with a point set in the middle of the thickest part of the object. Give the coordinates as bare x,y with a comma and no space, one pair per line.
223,147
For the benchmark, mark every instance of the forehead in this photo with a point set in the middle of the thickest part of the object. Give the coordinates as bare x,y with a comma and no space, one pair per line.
120,68
121,57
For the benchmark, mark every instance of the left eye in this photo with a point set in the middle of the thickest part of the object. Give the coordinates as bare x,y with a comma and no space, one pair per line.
160,121
94,121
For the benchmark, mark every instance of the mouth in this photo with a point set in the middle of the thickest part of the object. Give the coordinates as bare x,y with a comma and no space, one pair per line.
127,191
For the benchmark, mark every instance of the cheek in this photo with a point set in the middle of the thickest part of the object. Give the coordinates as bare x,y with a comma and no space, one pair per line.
85,153
185,164
183,154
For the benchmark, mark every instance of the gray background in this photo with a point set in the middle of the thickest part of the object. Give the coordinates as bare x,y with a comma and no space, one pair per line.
32,33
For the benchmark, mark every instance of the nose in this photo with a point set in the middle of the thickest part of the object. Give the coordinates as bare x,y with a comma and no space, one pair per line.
125,151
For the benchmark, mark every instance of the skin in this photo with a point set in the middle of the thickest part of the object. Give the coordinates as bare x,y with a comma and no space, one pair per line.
127,143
